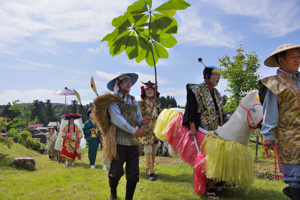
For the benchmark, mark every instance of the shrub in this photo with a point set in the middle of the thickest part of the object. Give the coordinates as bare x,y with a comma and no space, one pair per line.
43,146
35,144
12,133
23,138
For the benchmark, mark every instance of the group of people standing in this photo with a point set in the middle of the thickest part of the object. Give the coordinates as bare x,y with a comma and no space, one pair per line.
123,121
67,142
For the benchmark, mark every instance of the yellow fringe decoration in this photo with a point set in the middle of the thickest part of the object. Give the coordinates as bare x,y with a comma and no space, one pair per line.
163,122
228,161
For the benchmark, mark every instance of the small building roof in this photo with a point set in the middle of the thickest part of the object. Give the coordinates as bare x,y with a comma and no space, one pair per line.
35,125
53,123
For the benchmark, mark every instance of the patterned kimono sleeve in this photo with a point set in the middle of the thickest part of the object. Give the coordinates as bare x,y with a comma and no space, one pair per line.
79,133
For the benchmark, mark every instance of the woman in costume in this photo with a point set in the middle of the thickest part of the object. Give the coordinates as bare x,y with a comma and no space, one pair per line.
149,140
93,136
51,139
70,133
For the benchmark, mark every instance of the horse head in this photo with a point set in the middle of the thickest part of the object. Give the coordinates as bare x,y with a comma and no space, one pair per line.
247,117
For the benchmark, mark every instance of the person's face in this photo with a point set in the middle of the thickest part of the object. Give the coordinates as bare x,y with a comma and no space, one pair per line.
149,92
214,79
291,62
126,83
91,116
50,130
71,120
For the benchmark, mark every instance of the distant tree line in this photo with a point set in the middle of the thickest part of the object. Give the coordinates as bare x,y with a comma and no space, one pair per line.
168,102
20,115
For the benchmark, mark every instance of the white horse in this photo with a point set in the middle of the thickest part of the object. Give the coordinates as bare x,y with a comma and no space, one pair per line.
227,155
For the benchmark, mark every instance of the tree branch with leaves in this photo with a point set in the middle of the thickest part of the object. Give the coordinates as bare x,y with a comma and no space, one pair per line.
242,76
145,33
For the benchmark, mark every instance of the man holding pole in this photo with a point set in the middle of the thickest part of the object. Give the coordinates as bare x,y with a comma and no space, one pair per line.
118,115
204,109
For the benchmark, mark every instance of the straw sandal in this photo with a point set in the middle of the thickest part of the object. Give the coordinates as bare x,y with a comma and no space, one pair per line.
211,195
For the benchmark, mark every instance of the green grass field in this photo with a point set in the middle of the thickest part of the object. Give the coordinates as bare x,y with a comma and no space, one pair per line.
58,181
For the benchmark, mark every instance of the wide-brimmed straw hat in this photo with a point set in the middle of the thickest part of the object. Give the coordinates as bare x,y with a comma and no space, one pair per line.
71,115
271,60
133,76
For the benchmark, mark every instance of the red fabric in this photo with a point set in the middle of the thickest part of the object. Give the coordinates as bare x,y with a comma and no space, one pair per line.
199,174
69,146
178,137
64,152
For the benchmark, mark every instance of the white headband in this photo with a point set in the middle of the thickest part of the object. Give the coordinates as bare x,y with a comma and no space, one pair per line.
116,87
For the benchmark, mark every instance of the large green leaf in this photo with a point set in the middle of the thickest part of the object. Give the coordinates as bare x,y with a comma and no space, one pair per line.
132,48
160,50
149,3
140,20
149,57
119,45
138,7
113,35
121,22
143,48
168,42
163,24
169,7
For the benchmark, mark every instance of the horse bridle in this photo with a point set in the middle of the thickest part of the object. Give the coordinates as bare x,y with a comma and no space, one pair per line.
251,123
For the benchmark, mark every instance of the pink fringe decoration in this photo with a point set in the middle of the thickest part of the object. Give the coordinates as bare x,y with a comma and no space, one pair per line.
199,174
178,137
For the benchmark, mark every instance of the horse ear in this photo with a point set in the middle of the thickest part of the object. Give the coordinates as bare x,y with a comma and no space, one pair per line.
254,94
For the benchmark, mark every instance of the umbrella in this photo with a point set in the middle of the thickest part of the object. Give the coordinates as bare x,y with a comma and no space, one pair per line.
65,92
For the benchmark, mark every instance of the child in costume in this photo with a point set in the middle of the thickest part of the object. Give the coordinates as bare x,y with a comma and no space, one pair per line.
149,140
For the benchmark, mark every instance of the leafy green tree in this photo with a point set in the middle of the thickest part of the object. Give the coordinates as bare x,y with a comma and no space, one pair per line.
6,112
3,123
242,76
73,106
24,112
36,113
145,33
12,133
48,113
168,102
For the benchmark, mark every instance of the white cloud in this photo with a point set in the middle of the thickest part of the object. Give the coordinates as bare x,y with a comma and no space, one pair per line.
37,64
55,20
274,17
200,29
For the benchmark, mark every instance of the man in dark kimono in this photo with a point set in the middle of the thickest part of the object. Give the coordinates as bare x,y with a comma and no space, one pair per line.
204,108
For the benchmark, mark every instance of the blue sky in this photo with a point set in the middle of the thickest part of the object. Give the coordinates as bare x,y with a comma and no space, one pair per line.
47,45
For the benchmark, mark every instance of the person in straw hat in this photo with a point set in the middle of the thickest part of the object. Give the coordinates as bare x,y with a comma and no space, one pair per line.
118,115
280,96
149,140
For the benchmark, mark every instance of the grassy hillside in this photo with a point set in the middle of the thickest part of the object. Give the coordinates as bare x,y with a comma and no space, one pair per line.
10,150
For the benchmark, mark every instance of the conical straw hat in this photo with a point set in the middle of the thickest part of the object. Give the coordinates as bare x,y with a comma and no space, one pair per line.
271,60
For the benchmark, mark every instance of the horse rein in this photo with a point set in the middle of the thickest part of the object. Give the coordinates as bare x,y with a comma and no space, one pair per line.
252,125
